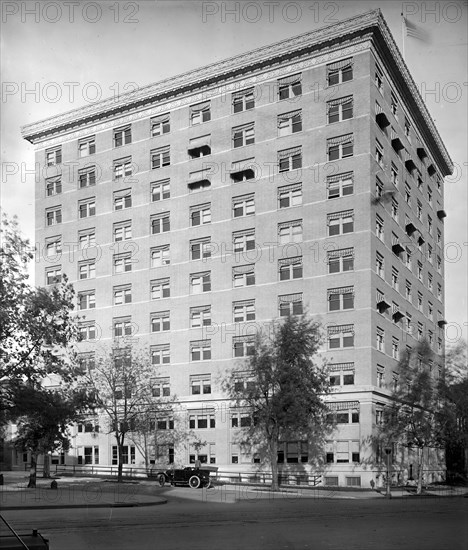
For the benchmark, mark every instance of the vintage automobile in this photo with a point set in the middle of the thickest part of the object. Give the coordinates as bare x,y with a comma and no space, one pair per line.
193,477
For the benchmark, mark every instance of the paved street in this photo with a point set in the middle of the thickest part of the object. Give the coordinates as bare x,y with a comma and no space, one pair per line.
256,522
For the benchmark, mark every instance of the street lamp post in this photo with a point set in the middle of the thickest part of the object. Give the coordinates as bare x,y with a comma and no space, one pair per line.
388,452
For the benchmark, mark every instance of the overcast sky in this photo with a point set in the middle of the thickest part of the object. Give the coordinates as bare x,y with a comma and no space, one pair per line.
57,56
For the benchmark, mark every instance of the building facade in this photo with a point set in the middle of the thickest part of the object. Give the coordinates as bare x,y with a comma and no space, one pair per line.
303,176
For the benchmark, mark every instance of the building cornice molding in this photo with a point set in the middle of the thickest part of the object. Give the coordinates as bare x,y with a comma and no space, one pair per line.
137,104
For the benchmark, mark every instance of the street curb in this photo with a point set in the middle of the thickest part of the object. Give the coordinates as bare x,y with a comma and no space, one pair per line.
67,506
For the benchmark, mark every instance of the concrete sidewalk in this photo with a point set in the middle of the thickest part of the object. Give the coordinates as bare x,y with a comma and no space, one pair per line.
73,493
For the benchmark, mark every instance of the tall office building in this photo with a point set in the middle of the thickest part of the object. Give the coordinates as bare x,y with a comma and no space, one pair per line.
305,175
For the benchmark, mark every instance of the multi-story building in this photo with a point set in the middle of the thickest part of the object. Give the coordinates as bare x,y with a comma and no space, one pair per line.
305,175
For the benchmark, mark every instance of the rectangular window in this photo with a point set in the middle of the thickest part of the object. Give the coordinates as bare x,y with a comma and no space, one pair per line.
87,177
198,181
340,260
340,71
87,331
290,304
201,420
53,186
200,113
53,275
394,209
87,208
340,298
161,355
290,159
340,336
200,316
394,104
160,125
290,87
290,268
290,232
86,146
243,100
340,109
378,78
340,147
243,240
243,275
53,156
122,263
160,288
379,153
160,321
122,136
243,311
243,205
122,295
200,282
122,168
86,270
243,135
379,227
340,185
199,147
200,384
122,199
160,223
290,195
289,123
200,214
200,350
395,278
243,346
86,238
380,339
160,190
200,249
122,327
340,223
87,361
122,231
86,300
160,157
395,348
379,265
53,247
160,256
242,170
53,216
160,387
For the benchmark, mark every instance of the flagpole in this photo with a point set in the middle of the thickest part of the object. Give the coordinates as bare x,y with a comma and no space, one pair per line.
403,32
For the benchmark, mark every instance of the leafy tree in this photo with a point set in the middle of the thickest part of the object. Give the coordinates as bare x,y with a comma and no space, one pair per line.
284,389
43,417
415,419
455,392
121,383
36,325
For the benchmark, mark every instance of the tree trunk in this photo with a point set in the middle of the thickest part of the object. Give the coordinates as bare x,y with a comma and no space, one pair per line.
420,470
46,470
274,464
120,442
33,472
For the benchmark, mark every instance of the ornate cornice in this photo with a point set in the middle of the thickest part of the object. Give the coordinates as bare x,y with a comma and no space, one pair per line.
343,38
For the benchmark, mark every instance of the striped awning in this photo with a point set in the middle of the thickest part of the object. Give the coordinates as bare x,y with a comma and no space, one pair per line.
335,367
338,140
339,101
342,64
293,79
242,93
288,188
343,405
342,290
199,142
297,260
200,107
160,119
341,177
292,114
340,253
288,298
338,329
289,224
338,215
289,152
243,269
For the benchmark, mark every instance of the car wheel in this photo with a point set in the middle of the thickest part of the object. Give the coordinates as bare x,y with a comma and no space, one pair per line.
207,484
194,482
162,480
